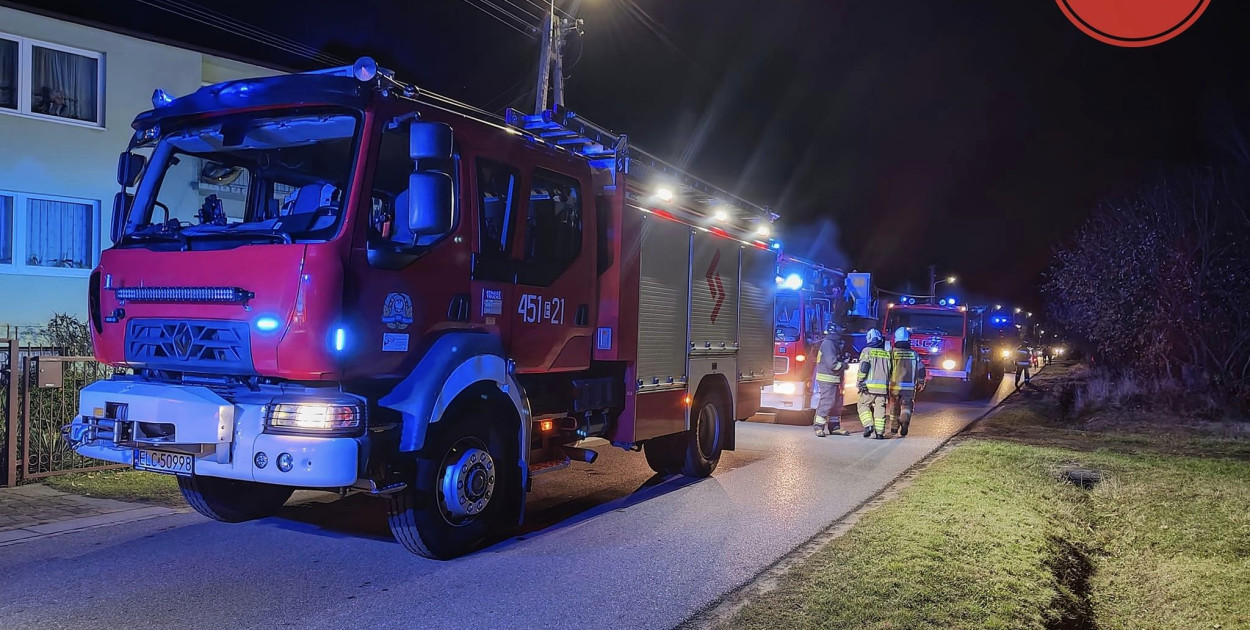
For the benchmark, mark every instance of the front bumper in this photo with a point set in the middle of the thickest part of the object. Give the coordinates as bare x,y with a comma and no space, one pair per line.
956,374
795,399
224,436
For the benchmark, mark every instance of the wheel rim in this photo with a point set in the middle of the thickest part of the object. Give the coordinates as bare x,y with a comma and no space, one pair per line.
466,481
707,432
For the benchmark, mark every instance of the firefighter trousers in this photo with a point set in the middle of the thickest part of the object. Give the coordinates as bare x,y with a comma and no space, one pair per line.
898,413
829,404
1022,370
871,409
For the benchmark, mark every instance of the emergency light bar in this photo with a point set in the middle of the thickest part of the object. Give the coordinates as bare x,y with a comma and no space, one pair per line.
216,295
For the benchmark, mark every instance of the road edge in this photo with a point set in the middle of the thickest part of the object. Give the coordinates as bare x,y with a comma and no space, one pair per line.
768,579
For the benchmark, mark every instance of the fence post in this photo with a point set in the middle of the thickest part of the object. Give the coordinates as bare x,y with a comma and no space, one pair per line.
11,434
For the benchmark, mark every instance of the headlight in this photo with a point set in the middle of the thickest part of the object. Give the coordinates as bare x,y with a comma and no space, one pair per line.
784,388
948,364
314,416
1006,354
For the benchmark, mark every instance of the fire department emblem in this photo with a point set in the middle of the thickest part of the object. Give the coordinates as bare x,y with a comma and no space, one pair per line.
397,311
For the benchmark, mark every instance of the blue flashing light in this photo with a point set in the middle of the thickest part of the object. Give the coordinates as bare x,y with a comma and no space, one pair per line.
266,324
942,302
793,282
340,339
161,98
951,301
776,245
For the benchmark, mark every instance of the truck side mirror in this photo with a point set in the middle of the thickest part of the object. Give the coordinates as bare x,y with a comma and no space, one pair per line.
121,208
129,167
431,203
429,141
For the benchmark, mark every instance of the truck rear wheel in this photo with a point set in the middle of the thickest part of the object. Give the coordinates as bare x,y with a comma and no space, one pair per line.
231,501
458,492
696,452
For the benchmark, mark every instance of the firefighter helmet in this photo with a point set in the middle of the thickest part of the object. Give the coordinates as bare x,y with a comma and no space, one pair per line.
873,336
901,334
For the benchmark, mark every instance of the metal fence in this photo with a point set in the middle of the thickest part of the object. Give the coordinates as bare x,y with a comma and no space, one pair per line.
38,395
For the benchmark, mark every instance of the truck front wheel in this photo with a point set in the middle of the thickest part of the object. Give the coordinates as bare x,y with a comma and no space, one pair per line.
231,501
459,489
696,452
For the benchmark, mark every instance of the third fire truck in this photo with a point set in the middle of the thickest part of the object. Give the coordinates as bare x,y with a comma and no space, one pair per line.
337,281
951,344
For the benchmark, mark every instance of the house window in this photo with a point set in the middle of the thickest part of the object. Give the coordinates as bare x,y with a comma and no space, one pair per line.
51,81
48,235
8,73
6,230
64,84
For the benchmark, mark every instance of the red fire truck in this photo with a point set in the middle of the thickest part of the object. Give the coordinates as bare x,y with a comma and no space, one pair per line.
949,345
809,297
337,281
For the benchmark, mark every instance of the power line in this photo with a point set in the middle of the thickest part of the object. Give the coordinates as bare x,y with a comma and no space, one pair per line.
497,18
544,8
524,11
241,29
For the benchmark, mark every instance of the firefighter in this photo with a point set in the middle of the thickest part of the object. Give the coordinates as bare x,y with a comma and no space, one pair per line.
906,376
830,364
1024,360
874,385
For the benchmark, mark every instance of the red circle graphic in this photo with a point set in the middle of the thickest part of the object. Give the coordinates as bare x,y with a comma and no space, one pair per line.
1133,23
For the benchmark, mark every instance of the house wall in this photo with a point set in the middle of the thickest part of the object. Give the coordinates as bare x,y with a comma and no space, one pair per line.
62,159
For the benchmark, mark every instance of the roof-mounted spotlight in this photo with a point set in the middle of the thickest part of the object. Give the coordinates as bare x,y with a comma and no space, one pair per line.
763,231
664,194
721,216
365,69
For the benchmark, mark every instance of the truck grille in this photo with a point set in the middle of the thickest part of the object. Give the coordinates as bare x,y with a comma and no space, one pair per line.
186,345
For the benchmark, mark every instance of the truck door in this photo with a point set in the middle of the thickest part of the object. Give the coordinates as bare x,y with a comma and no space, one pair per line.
555,284
499,200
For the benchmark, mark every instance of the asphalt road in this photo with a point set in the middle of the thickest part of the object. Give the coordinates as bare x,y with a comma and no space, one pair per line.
611,545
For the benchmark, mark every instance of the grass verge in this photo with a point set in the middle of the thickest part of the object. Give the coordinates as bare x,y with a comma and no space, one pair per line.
122,485
989,536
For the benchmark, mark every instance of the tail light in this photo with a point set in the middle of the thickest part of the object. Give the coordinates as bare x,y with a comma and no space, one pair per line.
93,302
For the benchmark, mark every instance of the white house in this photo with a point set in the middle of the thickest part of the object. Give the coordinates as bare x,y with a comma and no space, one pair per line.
67,95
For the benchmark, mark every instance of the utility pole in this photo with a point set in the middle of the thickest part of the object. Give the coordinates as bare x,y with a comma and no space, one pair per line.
551,57
933,284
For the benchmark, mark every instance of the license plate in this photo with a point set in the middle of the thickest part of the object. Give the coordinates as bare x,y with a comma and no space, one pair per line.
163,462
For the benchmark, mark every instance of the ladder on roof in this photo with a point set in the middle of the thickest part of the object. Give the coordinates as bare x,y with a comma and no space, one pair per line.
607,150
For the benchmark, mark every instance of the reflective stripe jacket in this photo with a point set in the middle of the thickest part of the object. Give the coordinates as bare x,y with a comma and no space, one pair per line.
829,363
1023,356
906,368
874,369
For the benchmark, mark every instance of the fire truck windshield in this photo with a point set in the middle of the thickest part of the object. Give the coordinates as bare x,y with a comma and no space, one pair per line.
927,322
246,179
787,317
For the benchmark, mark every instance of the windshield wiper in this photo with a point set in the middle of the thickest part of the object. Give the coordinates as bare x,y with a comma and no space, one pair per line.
172,237
276,237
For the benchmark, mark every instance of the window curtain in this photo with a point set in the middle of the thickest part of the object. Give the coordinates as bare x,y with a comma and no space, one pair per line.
59,234
6,230
63,84
8,73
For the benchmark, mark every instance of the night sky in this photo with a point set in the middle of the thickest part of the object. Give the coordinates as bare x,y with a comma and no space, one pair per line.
971,134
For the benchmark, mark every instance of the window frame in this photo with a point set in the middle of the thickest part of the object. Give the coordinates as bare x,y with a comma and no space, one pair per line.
512,206
25,57
21,213
545,272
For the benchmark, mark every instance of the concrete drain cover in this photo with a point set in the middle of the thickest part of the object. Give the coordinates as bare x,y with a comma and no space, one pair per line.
1085,478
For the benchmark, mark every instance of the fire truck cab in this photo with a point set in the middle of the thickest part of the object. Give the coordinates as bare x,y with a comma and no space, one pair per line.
334,280
810,296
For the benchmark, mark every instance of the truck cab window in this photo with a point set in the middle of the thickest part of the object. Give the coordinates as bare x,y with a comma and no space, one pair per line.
496,186
388,228
553,227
